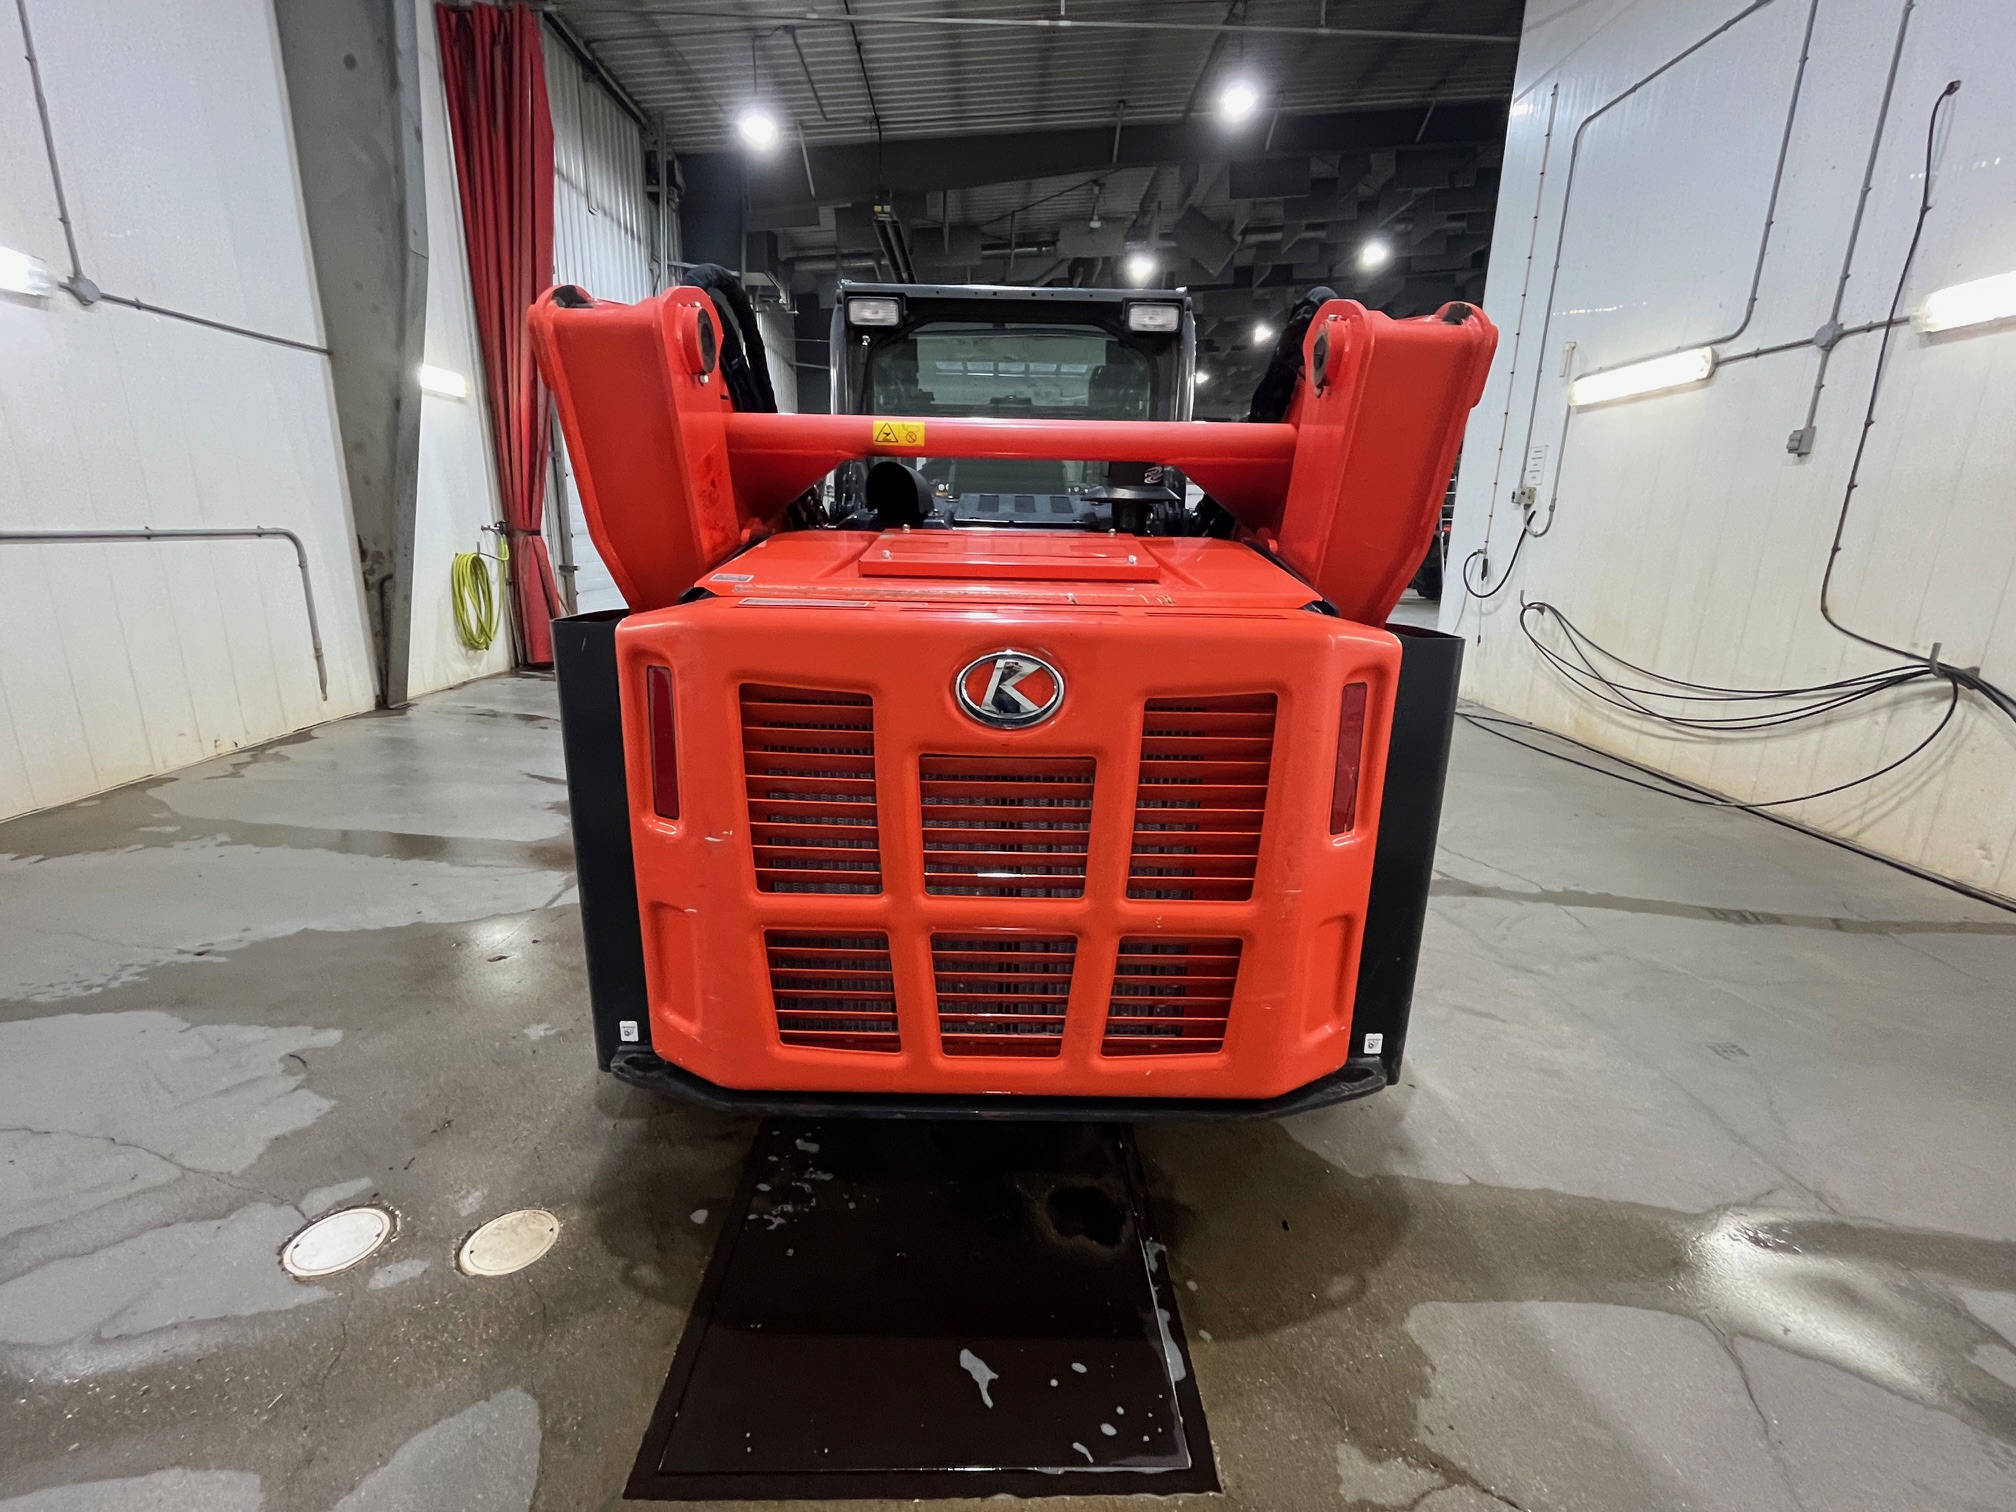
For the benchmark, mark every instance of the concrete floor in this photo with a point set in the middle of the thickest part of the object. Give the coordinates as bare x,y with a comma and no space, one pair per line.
1698,1193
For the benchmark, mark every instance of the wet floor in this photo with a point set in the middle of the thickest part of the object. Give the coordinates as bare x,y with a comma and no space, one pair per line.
1696,1195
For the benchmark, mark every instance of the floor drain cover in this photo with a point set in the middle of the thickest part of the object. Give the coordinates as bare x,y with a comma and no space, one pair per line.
902,1310
509,1243
337,1242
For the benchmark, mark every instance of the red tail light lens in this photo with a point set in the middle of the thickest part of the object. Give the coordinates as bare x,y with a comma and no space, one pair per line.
664,751
1350,756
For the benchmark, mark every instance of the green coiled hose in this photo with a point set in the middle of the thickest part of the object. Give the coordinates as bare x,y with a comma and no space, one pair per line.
475,600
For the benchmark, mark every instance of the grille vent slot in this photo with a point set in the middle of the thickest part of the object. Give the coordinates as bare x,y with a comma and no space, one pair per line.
833,991
1202,796
808,758
1006,826
1003,994
1170,997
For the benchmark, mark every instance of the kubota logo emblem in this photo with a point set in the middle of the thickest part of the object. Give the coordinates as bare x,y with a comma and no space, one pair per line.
1010,690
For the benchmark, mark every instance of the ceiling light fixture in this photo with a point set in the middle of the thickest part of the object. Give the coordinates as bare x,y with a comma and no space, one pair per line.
1262,333
1653,376
1967,304
758,129
1200,378
1237,101
1140,266
1374,255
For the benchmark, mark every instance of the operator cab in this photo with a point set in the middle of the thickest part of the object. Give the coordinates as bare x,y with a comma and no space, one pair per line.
1002,353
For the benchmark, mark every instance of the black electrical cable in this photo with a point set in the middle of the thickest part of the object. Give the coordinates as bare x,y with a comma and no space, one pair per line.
1740,724
1820,699
1525,534
1711,801
1876,379
1716,688
868,87
1582,661
1582,669
1097,178
2002,698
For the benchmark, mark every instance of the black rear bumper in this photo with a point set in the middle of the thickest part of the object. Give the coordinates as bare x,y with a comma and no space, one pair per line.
641,1068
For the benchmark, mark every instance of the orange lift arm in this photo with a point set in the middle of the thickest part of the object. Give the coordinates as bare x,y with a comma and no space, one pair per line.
1347,491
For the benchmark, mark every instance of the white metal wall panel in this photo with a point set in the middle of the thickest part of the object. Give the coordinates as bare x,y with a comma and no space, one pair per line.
601,241
1685,536
1638,277
457,493
122,660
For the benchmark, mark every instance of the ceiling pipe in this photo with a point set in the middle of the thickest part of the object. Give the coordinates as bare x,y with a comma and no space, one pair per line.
205,533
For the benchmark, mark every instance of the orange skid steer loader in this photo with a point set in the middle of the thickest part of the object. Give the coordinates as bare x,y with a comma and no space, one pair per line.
1001,775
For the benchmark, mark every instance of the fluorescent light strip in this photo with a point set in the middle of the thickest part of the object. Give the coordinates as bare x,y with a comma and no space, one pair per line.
1671,372
443,381
22,274
1967,304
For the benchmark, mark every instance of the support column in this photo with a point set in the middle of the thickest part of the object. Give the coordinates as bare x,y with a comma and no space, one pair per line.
353,90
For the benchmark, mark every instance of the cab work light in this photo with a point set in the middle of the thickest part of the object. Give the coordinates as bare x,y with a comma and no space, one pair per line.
664,750
874,312
1160,318
1350,757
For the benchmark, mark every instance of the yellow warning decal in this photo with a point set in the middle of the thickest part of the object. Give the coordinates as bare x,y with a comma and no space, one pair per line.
899,432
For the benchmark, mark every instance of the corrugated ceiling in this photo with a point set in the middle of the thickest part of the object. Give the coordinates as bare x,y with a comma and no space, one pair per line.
836,68
692,64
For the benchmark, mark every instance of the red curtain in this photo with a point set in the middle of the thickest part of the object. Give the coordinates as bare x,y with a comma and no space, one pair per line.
495,74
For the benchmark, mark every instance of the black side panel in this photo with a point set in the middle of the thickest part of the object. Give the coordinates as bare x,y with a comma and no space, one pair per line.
591,734
1410,813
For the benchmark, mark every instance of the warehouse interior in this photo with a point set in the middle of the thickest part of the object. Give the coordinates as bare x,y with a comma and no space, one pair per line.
336,1173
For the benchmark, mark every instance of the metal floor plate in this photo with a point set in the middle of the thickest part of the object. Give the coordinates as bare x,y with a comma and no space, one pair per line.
913,1309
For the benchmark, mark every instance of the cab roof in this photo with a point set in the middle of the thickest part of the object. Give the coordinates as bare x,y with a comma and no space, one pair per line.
1018,294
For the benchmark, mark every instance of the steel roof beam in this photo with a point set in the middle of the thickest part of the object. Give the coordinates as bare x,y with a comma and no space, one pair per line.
849,172
745,19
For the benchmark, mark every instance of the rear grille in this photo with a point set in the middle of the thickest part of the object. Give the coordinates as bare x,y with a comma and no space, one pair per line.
1202,796
809,761
1002,994
1006,826
1170,997
833,991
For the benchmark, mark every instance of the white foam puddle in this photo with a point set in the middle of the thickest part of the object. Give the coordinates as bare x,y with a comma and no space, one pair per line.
983,1375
